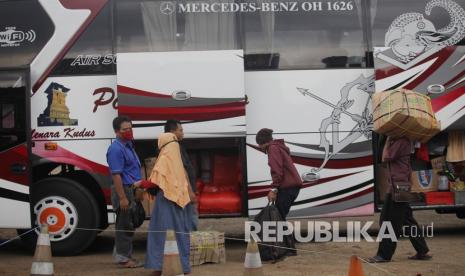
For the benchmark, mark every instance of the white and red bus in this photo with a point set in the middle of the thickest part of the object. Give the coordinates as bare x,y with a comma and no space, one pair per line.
225,68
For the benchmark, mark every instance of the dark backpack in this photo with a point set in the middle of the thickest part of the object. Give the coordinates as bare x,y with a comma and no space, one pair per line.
270,251
137,214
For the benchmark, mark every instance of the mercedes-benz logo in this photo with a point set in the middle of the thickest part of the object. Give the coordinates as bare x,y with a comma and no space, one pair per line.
167,8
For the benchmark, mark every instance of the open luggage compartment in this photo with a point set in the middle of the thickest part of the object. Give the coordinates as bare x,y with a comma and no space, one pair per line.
218,164
439,180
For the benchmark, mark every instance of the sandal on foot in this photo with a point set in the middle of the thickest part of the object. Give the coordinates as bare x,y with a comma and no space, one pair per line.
131,264
420,257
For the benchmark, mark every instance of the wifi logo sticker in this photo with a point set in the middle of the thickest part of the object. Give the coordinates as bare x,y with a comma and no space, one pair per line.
12,37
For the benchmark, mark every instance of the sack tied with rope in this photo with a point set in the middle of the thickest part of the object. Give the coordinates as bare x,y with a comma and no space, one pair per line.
402,112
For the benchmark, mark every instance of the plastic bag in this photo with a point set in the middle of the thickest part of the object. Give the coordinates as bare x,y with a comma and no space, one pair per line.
270,250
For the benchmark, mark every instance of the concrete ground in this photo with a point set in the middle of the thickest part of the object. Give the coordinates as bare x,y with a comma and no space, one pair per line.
321,258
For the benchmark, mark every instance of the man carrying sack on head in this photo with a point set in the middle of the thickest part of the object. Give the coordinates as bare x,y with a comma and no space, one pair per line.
396,207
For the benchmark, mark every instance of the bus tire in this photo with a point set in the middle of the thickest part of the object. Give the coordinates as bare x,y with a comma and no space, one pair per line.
65,206
460,214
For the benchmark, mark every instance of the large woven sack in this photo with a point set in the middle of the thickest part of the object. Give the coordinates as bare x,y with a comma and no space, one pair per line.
207,247
402,112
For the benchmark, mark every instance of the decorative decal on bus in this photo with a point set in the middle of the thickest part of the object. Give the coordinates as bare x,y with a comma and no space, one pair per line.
56,113
12,37
412,38
364,121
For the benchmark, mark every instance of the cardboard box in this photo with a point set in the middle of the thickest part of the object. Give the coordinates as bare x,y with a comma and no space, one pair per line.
148,200
438,163
459,197
402,112
148,164
457,186
207,247
424,181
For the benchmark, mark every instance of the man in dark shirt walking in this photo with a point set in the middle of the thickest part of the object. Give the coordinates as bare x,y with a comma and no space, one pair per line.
397,153
286,180
175,127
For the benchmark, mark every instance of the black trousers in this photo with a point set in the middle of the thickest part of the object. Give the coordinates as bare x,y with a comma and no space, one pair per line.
284,200
400,215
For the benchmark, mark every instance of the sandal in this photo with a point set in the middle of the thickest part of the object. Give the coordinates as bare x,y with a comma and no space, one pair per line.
131,264
377,259
420,257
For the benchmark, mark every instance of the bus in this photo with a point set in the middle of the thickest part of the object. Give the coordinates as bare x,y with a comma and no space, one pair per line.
225,69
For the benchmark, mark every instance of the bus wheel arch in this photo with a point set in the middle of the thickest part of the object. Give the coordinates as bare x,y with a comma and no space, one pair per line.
91,182
60,202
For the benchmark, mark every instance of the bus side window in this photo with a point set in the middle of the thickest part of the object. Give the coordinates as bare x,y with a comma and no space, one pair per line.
13,117
8,115
313,36
8,137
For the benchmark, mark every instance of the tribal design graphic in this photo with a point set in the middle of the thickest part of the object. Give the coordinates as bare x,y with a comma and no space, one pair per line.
411,37
363,122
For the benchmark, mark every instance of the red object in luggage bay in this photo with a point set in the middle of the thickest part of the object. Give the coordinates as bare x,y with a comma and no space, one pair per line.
219,203
422,153
222,195
439,198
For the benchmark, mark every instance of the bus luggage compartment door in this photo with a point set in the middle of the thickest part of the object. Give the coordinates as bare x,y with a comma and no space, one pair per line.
203,89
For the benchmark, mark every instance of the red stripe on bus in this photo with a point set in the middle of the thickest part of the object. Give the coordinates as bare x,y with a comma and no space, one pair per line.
440,102
209,112
62,155
16,155
133,91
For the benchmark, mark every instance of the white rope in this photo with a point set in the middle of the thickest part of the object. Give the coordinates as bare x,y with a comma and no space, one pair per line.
259,243
226,238
7,241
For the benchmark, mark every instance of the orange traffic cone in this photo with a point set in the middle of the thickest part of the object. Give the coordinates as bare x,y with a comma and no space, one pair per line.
171,261
253,262
42,262
355,266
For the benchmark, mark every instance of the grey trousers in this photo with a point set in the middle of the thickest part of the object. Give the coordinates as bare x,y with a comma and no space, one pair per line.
122,251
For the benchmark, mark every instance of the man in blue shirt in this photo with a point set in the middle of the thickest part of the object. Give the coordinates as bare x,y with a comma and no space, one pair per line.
125,171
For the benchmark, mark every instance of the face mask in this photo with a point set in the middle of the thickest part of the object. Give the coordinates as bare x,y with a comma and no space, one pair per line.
127,135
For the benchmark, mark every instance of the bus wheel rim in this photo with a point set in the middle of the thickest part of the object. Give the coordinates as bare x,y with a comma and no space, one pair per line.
59,214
